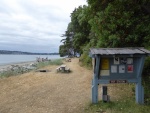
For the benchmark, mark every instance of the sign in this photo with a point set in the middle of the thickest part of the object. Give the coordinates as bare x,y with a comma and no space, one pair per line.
121,68
104,73
130,68
116,60
104,64
123,60
129,60
118,81
113,69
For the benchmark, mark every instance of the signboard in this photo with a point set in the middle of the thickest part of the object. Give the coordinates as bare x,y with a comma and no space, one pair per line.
118,65
116,60
130,68
113,69
104,67
121,68
123,60
129,60
104,64
104,73
118,81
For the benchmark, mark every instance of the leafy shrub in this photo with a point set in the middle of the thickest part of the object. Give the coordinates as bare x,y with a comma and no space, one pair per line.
146,80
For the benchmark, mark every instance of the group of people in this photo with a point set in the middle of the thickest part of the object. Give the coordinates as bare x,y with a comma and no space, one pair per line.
38,59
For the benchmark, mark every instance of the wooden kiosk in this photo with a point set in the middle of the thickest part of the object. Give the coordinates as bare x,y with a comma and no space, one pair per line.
118,65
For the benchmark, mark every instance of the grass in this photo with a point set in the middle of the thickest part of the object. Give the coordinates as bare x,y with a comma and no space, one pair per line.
53,62
13,72
122,98
122,106
21,70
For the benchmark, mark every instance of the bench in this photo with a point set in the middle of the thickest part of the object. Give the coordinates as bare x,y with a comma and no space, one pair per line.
68,60
58,69
63,68
67,69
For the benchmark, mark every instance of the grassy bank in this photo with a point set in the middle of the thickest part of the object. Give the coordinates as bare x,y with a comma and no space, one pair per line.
53,62
21,70
122,106
122,100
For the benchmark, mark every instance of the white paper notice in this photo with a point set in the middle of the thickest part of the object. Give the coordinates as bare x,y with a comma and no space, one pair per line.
104,73
129,60
122,69
113,69
116,60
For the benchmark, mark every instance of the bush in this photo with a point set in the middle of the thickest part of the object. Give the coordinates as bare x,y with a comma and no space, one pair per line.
146,80
121,106
86,60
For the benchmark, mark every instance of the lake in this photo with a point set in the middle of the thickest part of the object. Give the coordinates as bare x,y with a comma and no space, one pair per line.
9,59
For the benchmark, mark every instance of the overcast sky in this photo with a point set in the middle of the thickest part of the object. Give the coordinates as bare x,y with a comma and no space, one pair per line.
34,25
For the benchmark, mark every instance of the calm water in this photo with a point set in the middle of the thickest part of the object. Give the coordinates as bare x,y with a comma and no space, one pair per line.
8,59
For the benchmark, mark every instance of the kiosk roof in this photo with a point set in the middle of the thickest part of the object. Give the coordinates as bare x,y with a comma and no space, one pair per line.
115,51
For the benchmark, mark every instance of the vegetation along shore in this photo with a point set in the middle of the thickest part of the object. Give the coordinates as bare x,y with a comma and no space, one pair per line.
24,67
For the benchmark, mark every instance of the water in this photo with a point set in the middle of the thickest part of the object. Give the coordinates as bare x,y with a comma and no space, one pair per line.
10,59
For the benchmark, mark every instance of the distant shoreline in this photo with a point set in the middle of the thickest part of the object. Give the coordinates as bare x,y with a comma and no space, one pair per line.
17,59
24,53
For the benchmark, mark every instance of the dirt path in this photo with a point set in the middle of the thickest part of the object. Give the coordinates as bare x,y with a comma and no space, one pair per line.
49,92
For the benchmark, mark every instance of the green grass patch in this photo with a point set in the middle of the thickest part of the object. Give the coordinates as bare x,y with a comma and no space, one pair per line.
12,73
121,106
52,62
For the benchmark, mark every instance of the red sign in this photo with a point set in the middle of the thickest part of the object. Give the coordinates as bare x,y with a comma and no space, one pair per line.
130,68
118,81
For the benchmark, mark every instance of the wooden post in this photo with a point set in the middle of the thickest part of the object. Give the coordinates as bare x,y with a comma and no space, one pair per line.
139,94
95,81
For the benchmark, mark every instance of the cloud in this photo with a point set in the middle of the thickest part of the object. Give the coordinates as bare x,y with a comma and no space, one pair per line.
34,25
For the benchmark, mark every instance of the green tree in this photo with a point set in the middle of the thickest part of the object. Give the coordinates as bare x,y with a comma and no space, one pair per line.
77,31
120,24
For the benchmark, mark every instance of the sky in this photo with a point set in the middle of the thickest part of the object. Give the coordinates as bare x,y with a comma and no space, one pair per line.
34,25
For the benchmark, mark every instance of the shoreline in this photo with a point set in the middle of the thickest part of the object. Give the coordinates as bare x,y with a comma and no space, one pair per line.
21,67
17,68
2,66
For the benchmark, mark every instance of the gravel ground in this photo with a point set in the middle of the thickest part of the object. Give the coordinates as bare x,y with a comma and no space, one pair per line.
47,92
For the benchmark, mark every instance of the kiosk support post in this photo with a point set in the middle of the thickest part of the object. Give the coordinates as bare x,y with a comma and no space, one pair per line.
139,93
139,88
95,81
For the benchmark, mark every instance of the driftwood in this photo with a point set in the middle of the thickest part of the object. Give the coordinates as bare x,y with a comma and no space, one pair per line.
43,70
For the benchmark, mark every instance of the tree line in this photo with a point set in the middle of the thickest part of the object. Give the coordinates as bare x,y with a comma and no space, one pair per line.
108,23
